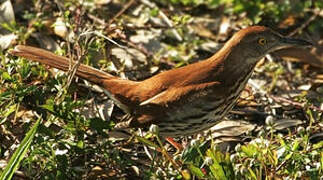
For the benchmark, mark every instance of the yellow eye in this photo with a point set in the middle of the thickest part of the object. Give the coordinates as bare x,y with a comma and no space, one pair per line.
262,41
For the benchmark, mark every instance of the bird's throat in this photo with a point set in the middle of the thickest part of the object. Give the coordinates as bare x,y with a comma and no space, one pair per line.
233,67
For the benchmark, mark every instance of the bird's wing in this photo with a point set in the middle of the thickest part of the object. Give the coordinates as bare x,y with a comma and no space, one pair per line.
153,110
166,97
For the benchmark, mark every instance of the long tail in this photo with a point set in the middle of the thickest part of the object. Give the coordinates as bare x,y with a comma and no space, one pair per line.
60,62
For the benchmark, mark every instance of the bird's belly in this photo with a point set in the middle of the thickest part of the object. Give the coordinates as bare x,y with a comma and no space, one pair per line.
197,116
193,123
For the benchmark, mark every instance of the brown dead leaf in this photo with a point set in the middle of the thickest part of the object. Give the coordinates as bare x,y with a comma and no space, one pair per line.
288,22
99,173
231,128
203,31
318,80
317,137
246,98
281,124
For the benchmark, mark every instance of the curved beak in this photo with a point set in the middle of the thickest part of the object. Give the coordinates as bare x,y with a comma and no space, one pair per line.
288,42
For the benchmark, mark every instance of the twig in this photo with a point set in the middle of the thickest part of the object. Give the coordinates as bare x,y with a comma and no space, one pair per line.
145,147
79,51
129,43
121,12
139,47
72,70
165,153
96,19
304,25
296,104
148,27
281,165
103,36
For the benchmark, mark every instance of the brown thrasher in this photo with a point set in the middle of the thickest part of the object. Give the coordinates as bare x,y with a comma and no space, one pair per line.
186,100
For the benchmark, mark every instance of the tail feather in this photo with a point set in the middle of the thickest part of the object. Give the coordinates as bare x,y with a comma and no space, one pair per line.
60,62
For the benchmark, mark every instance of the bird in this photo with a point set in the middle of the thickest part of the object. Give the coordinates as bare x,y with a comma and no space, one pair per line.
186,100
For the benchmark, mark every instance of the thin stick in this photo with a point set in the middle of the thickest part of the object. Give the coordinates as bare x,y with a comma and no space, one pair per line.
304,25
120,12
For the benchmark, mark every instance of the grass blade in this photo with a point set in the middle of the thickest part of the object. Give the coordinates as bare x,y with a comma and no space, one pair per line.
19,154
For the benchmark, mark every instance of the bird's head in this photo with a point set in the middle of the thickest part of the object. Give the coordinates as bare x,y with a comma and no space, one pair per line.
257,41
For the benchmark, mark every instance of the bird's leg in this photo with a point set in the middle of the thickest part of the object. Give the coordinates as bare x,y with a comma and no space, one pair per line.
178,146
165,153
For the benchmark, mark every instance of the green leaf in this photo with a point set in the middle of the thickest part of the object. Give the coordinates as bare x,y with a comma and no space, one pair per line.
19,154
321,162
191,153
6,76
196,171
216,168
80,144
99,125
8,111
318,145
295,146
154,12
288,156
253,175
250,150
49,105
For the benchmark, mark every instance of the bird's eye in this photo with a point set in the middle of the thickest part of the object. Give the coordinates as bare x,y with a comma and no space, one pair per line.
262,41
